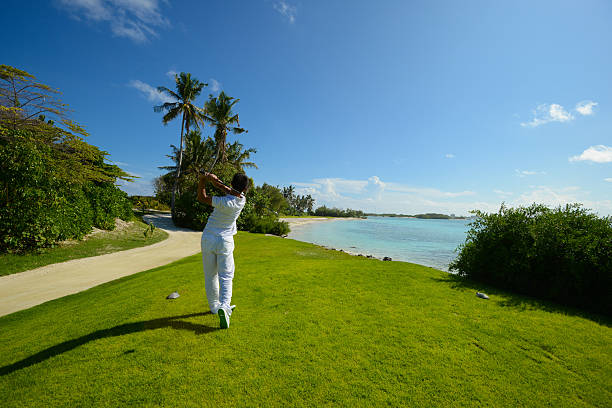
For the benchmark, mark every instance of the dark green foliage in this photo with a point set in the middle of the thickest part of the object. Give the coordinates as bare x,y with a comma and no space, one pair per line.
39,205
433,216
268,224
190,213
148,202
107,203
297,204
162,187
562,254
336,212
37,209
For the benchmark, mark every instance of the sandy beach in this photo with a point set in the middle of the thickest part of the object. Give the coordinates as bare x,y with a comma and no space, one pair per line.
296,222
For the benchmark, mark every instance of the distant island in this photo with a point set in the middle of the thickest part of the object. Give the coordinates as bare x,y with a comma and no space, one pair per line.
428,216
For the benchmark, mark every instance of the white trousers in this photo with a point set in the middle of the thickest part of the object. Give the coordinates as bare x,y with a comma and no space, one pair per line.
218,260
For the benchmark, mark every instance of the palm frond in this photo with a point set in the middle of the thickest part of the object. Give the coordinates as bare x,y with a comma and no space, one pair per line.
164,107
169,92
237,130
171,115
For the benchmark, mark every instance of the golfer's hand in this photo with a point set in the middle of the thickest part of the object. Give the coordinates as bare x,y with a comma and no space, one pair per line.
212,177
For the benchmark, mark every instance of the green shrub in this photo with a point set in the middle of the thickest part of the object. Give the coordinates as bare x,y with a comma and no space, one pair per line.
148,202
562,254
37,209
190,213
39,206
323,211
107,203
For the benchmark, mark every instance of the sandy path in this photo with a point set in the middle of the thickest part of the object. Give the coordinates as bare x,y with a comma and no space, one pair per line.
26,289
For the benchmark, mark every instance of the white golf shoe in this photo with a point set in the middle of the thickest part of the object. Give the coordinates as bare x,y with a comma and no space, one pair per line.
224,318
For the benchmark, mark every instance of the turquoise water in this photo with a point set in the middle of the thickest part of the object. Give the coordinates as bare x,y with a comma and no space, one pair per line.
425,242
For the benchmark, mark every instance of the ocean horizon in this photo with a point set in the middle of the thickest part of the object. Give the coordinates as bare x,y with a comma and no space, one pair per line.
427,242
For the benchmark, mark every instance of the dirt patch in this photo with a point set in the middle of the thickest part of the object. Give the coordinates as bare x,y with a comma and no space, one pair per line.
94,231
120,225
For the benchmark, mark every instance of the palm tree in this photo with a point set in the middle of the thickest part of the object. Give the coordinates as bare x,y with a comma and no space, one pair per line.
196,155
187,90
238,157
198,152
218,113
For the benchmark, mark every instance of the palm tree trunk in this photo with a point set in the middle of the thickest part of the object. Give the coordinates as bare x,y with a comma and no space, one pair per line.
223,153
178,169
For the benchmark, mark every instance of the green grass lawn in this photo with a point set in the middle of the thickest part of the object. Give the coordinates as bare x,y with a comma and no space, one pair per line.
313,327
98,244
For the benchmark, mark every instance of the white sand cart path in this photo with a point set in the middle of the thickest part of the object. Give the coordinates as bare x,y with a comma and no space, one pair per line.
30,288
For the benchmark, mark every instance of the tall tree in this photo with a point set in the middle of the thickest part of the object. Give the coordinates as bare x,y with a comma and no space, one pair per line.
218,113
187,90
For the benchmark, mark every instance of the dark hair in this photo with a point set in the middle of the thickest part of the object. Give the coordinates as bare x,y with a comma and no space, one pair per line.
240,182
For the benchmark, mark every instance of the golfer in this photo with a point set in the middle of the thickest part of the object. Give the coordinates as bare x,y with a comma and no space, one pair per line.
218,241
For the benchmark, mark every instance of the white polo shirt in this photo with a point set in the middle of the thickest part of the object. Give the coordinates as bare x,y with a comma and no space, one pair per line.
222,221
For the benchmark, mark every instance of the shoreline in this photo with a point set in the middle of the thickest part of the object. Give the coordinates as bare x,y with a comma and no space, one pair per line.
296,222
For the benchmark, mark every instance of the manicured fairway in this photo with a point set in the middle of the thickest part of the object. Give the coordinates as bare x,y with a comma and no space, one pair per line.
312,328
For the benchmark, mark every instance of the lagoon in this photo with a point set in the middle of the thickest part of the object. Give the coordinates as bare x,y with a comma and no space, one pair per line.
431,243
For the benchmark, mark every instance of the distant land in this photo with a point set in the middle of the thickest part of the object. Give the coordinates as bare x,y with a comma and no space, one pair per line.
428,216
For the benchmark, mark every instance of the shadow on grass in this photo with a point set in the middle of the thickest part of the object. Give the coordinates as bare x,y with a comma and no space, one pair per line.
120,330
521,302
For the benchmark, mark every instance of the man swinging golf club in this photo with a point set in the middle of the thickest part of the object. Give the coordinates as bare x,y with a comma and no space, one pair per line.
218,241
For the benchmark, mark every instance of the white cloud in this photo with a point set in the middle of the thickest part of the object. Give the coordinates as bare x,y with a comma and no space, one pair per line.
586,107
609,180
548,113
554,197
286,10
133,19
525,173
502,193
449,156
151,93
376,195
137,187
171,74
428,192
215,86
597,154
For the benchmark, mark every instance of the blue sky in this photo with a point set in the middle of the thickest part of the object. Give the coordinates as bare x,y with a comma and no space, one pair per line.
390,106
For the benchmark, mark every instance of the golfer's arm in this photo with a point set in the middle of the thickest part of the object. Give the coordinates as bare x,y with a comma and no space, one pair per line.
202,196
219,184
